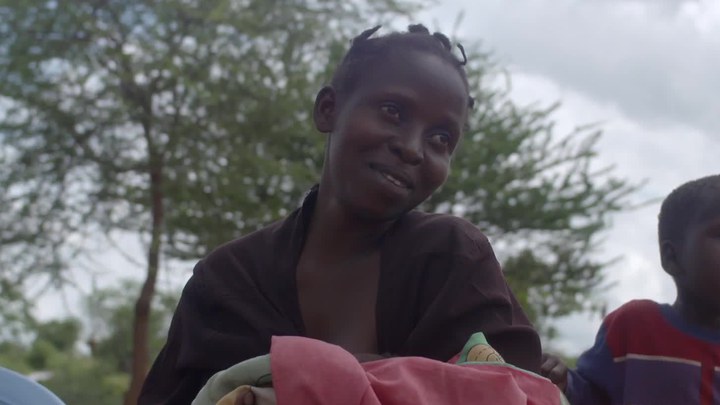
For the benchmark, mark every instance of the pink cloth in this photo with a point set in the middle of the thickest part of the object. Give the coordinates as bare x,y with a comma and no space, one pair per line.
311,372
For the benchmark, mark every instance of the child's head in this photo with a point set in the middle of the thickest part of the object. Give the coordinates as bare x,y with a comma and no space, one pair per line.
394,113
689,236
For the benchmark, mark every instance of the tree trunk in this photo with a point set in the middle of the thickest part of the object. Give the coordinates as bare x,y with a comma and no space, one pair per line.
141,347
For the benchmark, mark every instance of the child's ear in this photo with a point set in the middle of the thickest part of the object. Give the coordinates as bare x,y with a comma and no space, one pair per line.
325,110
669,258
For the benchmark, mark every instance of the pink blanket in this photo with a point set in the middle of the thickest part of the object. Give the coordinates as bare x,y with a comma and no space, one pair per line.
311,372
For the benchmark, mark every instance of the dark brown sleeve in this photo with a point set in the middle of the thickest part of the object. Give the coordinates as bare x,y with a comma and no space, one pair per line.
168,383
473,296
223,318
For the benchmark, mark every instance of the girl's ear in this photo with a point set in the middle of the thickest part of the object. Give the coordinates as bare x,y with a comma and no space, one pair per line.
325,110
669,257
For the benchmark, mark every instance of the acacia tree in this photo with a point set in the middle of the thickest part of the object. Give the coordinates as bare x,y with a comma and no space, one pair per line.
539,196
135,115
188,122
50,350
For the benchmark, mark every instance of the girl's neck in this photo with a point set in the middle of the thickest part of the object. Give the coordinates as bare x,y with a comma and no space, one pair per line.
336,234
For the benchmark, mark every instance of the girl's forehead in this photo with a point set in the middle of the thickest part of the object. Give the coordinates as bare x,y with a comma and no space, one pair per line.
410,60
415,69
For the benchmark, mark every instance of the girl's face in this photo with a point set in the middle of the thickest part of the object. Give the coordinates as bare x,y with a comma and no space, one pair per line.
391,138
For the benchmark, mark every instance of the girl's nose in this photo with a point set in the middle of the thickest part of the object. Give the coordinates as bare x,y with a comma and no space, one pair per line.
408,147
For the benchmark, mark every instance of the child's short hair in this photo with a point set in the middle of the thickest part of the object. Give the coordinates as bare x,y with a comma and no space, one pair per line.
365,50
683,205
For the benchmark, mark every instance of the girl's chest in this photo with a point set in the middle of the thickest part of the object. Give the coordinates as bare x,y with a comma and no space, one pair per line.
338,305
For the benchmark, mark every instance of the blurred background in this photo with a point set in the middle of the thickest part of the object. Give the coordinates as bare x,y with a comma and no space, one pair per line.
135,136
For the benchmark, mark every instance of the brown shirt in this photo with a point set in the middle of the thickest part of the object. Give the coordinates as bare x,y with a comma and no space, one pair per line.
439,283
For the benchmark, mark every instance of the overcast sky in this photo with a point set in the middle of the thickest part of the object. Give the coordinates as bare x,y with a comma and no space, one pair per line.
649,71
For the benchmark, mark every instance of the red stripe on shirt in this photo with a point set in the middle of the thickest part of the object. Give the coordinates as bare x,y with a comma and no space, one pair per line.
706,385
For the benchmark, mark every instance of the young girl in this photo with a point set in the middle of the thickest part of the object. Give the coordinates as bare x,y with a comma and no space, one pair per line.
356,265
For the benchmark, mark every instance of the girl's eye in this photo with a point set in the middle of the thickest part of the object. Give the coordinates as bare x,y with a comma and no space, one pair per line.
440,139
391,110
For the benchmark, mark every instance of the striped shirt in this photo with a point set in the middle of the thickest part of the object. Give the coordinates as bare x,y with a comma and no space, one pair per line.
645,354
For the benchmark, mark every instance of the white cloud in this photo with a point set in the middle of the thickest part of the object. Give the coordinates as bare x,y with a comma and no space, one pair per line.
654,61
704,14
647,72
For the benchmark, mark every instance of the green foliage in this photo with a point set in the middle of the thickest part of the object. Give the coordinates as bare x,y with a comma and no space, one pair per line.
110,317
60,334
40,354
85,380
15,310
74,377
13,355
537,195
210,100
185,122
98,375
212,96
570,361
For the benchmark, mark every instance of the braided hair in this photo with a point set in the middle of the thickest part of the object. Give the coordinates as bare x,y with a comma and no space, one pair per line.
366,50
684,205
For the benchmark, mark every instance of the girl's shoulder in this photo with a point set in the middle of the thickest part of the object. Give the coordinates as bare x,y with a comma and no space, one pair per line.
430,232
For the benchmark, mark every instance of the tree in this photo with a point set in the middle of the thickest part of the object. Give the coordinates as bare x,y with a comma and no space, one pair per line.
56,352
50,337
52,357
537,194
109,315
188,122
134,116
